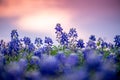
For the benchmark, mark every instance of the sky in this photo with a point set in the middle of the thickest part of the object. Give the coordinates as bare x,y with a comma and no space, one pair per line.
37,18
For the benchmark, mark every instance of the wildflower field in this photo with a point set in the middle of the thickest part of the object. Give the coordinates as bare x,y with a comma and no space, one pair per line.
72,59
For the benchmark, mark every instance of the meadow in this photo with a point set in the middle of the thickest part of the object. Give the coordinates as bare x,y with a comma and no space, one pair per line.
71,59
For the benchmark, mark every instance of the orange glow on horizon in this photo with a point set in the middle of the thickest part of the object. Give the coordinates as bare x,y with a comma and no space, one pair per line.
43,21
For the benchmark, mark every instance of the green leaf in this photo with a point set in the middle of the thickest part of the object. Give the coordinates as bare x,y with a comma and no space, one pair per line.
67,52
53,52
98,43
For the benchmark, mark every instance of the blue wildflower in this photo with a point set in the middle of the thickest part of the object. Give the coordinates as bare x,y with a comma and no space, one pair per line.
92,37
14,45
58,28
91,44
72,38
93,62
61,57
72,60
35,60
87,53
26,40
104,45
108,71
33,75
5,51
58,32
2,44
39,52
48,45
81,74
14,34
49,66
117,40
64,39
73,33
31,47
23,63
45,49
48,41
2,72
110,45
80,43
13,71
38,42
2,59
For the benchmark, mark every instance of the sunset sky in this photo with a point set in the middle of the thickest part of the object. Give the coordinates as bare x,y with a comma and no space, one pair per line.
37,18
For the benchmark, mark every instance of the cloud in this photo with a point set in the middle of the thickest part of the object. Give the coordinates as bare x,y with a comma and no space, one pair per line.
24,7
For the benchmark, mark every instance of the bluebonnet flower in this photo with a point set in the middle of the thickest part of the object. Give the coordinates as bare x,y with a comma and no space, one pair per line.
61,57
72,60
108,71
117,40
97,64
13,71
3,47
45,49
58,28
58,32
2,44
5,51
48,41
72,39
23,63
31,47
42,50
91,44
93,62
38,42
2,59
110,45
87,53
64,39
14,34
14,45
80,43
2,72
92,37
110,57
26,40
104,45
73,33
35,60
38,52
33,75
81,74
49,66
